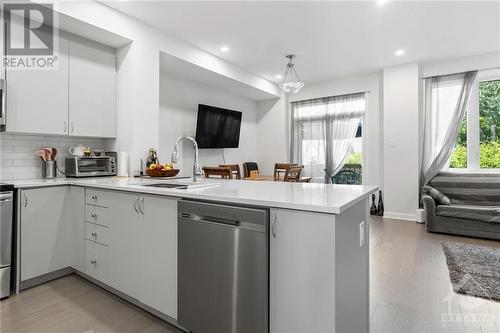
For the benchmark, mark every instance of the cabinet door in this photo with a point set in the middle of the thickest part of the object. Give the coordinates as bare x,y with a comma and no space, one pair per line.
92,87
302,272
46,237
124,244
37,100
158,281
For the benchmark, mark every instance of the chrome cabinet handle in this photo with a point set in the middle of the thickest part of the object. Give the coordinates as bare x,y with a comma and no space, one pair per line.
273,226
25,200
94,197
94,216
141,206
93,261
135,204
94,234
65,127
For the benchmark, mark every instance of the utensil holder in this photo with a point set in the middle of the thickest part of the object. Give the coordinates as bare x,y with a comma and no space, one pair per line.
49,169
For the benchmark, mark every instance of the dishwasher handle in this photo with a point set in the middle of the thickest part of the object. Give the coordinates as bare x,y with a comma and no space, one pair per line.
210,219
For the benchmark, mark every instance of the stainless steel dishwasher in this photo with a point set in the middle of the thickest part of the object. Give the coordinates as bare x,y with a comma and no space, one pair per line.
223,268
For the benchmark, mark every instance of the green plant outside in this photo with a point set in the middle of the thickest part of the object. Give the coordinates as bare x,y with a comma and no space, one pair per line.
489,125
355,158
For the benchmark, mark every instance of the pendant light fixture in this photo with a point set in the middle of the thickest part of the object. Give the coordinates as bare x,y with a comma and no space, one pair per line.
291,81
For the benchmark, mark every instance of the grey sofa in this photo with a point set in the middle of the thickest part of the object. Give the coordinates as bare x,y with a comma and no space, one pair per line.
474,209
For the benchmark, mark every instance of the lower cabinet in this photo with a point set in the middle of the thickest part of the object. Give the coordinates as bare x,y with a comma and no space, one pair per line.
97,261
51,230
158,262
131,245
302,246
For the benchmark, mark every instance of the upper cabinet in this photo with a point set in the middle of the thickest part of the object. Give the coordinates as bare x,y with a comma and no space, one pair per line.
92,88
37,100
78,98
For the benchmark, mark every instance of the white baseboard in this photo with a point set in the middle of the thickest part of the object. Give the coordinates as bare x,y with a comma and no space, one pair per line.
400,216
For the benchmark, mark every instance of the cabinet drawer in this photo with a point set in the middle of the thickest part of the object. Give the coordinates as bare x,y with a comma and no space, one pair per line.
96,260
96,233
97,197
97,215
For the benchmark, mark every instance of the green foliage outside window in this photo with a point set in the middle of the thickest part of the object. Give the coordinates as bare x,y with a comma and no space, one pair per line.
355,158
489,130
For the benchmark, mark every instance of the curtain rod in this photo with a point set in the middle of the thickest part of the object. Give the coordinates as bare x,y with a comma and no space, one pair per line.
313,99
479,70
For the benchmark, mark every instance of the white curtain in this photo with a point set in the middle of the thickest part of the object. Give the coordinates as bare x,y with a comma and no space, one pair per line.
323,131
446,100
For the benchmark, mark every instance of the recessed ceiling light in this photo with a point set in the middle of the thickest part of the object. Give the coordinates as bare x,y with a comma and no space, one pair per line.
224,48
399,53
382,2
278,76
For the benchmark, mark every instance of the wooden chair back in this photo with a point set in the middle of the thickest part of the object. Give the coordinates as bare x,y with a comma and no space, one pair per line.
280,170
218,172
249,166
235,169
292,174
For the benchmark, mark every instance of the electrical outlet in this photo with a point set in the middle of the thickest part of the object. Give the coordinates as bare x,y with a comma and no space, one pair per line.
361,233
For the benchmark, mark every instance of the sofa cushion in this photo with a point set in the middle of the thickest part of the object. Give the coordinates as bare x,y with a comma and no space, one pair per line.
470,212
439,197
481,189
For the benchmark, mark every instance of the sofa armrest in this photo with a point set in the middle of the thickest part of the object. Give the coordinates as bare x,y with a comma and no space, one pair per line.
430,211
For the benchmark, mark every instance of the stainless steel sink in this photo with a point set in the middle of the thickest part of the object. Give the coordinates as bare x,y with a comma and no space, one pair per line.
165,185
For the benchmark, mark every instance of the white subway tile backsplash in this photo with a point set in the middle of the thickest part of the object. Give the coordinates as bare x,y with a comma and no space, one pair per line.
17,153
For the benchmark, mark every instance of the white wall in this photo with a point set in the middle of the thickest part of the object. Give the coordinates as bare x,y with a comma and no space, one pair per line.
179,99
458,65
401,91
372,170
272,134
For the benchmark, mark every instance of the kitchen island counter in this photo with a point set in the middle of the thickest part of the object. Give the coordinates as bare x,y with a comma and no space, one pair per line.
323,198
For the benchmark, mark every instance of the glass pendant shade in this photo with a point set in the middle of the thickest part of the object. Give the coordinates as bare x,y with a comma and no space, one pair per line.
291,81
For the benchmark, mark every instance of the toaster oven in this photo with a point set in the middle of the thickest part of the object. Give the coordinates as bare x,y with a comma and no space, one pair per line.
90,166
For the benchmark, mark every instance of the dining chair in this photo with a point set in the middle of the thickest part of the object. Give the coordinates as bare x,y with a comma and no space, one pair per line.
249,166
218,172
292,174
235,169
280,170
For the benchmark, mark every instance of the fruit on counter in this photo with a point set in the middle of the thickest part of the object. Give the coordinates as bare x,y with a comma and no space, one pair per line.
152,166
171,165
159,166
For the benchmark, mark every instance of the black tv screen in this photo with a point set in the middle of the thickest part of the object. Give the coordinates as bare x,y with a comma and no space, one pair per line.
217,127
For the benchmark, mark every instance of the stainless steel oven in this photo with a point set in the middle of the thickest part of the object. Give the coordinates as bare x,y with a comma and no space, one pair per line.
90,166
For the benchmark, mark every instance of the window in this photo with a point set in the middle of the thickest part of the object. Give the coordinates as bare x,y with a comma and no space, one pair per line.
327,136
478,144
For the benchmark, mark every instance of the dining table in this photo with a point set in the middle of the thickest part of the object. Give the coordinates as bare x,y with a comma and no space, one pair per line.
270,178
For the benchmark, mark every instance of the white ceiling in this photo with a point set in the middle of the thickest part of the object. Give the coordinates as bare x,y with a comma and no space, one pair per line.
330,39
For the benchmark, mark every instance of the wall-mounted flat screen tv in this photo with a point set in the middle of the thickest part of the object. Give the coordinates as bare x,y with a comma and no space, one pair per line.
217,127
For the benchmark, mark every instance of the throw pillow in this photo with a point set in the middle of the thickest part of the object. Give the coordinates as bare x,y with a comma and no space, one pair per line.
439,197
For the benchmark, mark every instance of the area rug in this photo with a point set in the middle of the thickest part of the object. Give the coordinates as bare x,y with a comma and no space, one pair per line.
474,270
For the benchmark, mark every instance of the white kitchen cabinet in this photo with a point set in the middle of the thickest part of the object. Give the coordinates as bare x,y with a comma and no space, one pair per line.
92,88
158,263
77,97
51,230
302,272
37,100
121,256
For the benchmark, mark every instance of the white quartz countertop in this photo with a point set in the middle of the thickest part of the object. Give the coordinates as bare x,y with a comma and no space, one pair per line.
324,198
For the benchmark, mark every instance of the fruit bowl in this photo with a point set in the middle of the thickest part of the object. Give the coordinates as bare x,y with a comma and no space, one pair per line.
162,172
